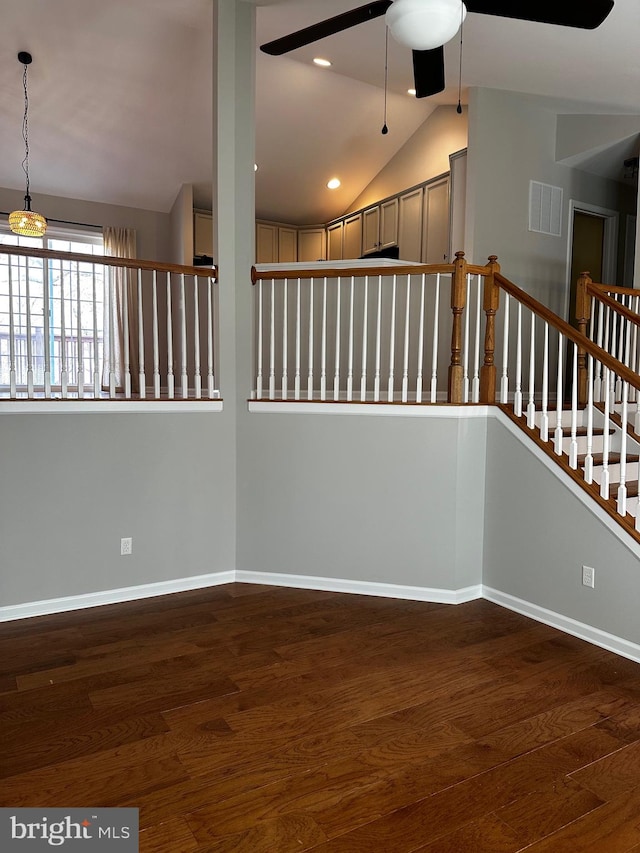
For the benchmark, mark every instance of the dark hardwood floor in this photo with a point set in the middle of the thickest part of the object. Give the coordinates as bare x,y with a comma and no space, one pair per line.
263,720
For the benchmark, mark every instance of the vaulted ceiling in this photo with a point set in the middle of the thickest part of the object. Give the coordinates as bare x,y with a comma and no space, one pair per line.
120,96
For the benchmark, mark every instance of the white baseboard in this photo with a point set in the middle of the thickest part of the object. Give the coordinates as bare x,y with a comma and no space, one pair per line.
383,590
111,596
617,645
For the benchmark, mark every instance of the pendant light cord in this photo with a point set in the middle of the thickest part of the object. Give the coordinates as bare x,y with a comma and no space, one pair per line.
459,107
385,129
25,131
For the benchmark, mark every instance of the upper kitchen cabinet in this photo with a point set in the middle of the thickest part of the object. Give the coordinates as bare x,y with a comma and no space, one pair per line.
202,234
435,222
380,226
410,225
311,244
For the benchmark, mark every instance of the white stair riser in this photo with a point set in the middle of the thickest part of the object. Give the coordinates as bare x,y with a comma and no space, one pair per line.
614,472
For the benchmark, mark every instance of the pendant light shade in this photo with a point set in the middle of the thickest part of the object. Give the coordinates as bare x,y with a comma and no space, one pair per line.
26,223
425,24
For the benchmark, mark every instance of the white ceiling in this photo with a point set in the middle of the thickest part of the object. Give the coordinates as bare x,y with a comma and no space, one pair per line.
120,96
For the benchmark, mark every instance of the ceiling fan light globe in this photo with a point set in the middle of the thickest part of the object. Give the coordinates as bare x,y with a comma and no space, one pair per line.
425,24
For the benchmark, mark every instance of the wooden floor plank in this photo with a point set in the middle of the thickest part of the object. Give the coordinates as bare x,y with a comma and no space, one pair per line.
248,718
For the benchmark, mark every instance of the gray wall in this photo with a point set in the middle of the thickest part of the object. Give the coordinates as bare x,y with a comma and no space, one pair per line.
73,485
538,536
152,228
512,140
369,498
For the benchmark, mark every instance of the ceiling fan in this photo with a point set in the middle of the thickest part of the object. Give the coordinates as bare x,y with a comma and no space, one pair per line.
427,25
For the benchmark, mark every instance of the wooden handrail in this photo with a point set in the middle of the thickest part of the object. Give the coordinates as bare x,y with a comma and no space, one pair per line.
616,306
568,331
108,260
336,272
613,288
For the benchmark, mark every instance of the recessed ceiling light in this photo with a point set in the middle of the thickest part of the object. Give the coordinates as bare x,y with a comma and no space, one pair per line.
334,183
411,92
323,62
255,167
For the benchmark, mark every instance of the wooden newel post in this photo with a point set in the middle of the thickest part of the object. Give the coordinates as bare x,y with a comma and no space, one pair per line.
491,302
458,302
583,315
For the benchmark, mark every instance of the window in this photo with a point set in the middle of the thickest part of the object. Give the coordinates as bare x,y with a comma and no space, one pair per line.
44,302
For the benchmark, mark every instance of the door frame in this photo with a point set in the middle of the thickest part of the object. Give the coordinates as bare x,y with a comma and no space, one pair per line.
609,244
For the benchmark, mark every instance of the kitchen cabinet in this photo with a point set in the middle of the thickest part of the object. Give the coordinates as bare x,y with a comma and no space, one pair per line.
334,241
380,226
410,225
311,244
352,236
266,243
202,234
287,245
435,222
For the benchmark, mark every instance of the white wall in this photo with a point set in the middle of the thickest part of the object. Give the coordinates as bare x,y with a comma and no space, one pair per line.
181,224
425,155
152,228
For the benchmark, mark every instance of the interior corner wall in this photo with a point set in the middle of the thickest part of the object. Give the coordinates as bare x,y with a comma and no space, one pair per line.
424,155
512,140
365,498
153,237
538,536
181,224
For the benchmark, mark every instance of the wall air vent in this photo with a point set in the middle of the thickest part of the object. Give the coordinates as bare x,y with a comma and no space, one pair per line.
545,209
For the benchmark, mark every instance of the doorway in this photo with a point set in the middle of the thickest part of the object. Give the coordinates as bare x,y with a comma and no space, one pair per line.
593,247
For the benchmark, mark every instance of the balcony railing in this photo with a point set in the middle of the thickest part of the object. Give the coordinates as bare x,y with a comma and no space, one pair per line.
76,326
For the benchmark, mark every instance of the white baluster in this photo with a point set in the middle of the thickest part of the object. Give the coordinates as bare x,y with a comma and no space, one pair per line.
405,364
475,383
336,372
365,320
434,352
170,376
210,377
323,344
351,331
544,417
80,370
12,336
420,340
531,407
633,362
588,461
558,430
125,333
376,378
517,400
618,347
260,344
285,339
197,379
573,444
597,383
154,327
296,379
64,375
465,351
392,342
604,482
622,488
112,334
504,381
272,343
142,378
310,369
184,376
97,383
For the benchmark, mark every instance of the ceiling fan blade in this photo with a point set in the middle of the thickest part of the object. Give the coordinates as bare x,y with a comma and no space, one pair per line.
428,71
586,16
326,28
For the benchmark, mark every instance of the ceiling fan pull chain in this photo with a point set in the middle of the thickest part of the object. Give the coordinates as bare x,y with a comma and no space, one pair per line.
385,129
459,107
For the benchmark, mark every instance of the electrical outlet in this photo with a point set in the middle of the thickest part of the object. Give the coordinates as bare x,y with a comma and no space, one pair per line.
126,546
588,577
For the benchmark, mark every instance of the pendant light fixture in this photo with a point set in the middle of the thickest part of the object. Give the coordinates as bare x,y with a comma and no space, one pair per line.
425,24
26,222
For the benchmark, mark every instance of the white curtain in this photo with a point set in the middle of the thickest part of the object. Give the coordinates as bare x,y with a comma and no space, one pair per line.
120,290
